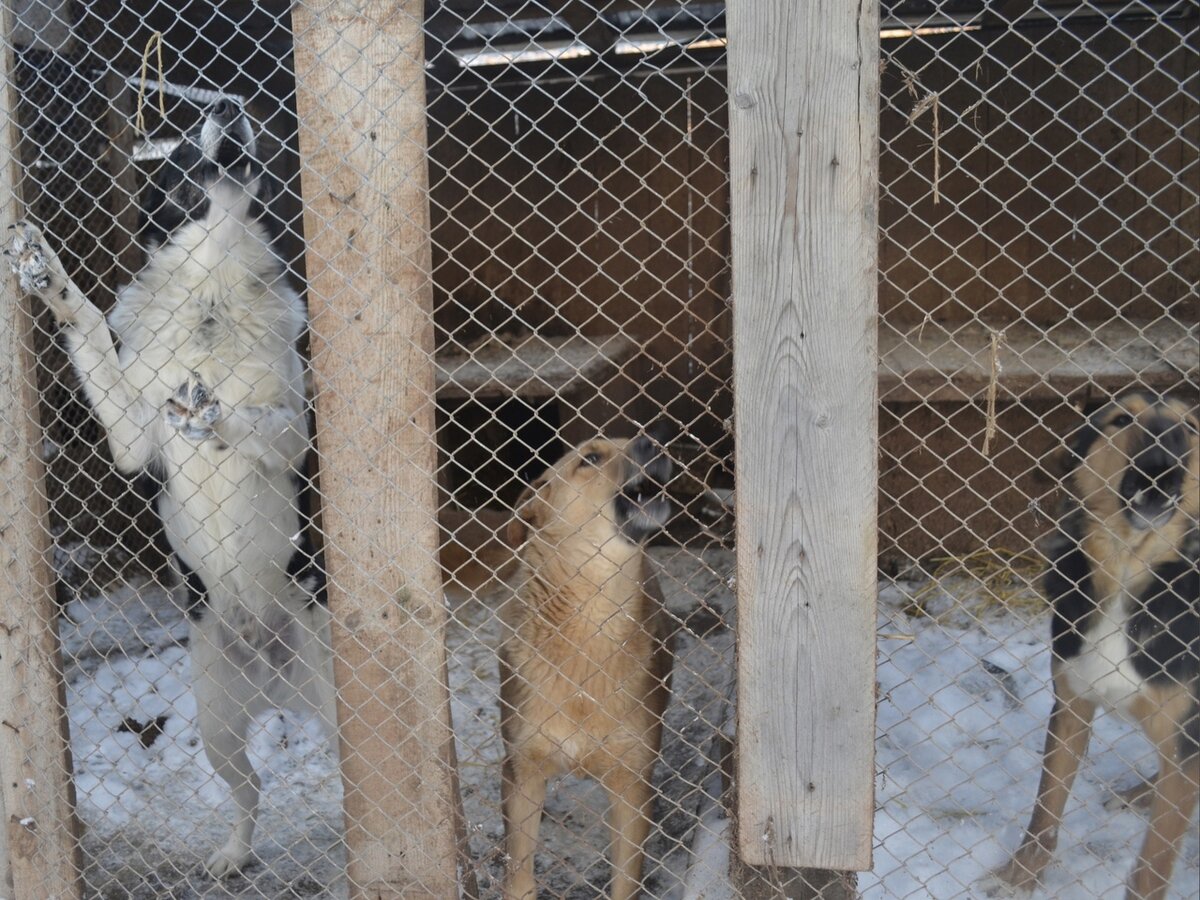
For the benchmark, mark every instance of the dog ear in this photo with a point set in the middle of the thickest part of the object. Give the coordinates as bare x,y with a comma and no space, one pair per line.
1079,442
1078,445
525,515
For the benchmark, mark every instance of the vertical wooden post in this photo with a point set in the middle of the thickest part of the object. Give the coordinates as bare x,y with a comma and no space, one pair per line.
123,198
803,117
361,105
38,835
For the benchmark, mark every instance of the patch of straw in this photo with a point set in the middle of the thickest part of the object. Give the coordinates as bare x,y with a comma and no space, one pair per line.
978,582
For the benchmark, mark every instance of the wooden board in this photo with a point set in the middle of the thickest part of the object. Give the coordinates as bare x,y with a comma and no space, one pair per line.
361,105
38,832
947,363
803,85
536,368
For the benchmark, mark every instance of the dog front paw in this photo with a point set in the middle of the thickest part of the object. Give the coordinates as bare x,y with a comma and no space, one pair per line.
36,266
193,410
229,860
1022,873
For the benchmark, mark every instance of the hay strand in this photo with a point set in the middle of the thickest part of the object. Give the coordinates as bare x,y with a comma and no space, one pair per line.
932,100
989,433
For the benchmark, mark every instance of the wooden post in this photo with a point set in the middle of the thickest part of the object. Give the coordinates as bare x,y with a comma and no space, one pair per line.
361,106
803,117
123,198
38,836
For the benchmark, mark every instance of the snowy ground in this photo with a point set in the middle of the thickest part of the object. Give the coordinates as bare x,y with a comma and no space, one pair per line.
963,704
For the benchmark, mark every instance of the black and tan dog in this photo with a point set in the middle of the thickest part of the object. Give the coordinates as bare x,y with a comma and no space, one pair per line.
585,659
1125,585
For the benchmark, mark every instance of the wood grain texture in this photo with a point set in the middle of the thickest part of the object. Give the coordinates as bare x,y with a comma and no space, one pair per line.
361,104
123,199
803,83
38,832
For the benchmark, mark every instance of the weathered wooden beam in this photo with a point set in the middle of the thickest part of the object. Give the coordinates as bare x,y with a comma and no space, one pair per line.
803,91
39,840
361,106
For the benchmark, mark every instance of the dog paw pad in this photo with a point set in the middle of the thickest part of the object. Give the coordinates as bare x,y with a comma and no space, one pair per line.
193,410
35,266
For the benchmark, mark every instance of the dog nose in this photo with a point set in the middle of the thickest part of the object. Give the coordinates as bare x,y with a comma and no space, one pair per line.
224,109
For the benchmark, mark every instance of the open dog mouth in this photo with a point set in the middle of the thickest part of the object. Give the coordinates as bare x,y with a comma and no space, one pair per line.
1151,497
642,506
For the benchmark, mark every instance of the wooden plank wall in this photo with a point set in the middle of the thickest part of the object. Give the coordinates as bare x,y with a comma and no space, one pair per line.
1017,128
567,213
1115,244
803,84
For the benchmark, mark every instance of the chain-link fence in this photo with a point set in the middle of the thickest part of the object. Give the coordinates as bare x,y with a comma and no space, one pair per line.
555,173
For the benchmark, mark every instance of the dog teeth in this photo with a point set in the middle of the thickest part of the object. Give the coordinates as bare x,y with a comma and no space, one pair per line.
1137,498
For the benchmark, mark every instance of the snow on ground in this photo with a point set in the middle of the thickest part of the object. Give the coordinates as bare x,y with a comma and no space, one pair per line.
964,698
963,701
150,803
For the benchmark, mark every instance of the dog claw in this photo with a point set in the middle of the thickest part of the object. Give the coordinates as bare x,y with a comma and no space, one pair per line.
36,267
226,862
193,410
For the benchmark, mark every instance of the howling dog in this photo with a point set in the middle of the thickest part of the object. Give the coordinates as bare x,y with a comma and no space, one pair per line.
196,377
585,659
1124,581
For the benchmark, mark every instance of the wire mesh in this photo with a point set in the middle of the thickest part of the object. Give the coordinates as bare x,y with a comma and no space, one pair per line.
1038,224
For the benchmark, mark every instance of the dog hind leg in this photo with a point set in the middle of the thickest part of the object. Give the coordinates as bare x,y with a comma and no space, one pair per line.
227,701
1171,805
310,686
225,747
1066,743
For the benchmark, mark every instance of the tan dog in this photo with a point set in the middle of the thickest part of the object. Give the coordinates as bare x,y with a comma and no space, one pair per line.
585,659
1124,580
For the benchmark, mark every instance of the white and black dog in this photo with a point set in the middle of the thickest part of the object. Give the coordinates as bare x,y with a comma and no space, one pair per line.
195,375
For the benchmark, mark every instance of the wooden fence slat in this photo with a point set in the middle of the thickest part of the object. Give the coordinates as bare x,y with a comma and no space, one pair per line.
803,86
361,106
38,834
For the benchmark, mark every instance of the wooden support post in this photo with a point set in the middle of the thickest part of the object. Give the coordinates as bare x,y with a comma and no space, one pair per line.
39,840
361,105
123,198
803,117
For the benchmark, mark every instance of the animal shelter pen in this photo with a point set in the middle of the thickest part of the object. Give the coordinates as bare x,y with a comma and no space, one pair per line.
891,251
370,303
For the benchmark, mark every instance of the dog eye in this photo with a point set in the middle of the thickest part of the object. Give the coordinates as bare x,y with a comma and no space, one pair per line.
592,459
1122,420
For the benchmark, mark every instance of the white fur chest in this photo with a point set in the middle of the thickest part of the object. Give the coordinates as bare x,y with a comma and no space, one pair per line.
1103,670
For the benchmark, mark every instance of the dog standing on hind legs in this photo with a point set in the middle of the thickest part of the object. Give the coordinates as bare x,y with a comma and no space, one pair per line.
1124,581
585,660
204,386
